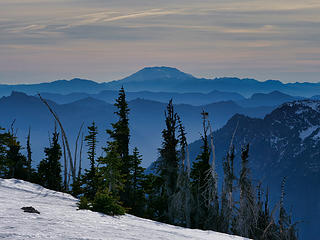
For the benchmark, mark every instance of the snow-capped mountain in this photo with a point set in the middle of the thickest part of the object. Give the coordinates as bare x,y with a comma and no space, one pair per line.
286,143
287,140
60,219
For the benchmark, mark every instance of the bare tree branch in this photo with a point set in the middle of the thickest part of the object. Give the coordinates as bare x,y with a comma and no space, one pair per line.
63,135
76,147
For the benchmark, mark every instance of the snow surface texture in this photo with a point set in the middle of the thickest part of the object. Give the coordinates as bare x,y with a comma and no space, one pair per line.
307,132
60,219
304,107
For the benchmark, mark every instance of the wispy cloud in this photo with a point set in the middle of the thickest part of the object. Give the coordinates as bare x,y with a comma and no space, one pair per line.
152,12
112,16
28,28
261,30
249,36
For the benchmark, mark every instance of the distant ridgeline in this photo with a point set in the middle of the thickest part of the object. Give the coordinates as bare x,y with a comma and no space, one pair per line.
146,119
167,79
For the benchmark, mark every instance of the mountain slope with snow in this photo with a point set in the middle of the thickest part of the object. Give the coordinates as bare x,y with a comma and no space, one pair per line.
60,219
286,143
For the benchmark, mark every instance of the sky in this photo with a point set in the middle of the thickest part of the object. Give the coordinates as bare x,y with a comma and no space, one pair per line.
104,40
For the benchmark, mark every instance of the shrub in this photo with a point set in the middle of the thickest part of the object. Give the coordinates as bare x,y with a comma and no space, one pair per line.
104,202
84,203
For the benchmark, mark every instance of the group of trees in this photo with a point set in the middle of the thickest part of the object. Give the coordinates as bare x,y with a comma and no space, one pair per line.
178,192
113,184
190,196
13,164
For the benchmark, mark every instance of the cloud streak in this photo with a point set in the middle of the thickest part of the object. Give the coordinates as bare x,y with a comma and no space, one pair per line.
207,37
109,16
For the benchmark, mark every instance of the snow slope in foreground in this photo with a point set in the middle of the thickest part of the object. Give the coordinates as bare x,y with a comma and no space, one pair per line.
60,219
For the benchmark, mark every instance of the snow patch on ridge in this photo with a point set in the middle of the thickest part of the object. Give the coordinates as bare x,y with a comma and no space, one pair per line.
313,104
307,132
303,104
60,219
316,136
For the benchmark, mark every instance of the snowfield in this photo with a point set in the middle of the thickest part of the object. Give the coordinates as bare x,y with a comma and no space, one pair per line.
60,219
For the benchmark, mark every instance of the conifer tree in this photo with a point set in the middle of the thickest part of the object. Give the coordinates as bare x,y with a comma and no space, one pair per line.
3,144
29,158
49,169
182,199
168,164
120,134
227,203
110,176
282,212
12,163
90,176
16,162
110,182
155,201
199,175
246,221
137,181
287,229
117,168
266,228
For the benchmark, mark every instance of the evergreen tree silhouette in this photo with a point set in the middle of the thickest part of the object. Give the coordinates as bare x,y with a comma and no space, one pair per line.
49,169
120,134
90,176
168,164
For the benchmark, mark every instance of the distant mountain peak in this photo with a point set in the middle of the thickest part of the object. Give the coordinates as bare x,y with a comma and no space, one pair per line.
80,80
164,69
89,102
21,96
275,93
75,80
18,94
274,82
158,73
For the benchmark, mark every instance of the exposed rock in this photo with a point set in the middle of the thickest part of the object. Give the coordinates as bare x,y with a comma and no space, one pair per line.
30,210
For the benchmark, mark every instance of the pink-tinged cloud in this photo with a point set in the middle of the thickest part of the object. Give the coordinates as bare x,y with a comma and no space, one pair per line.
44,40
